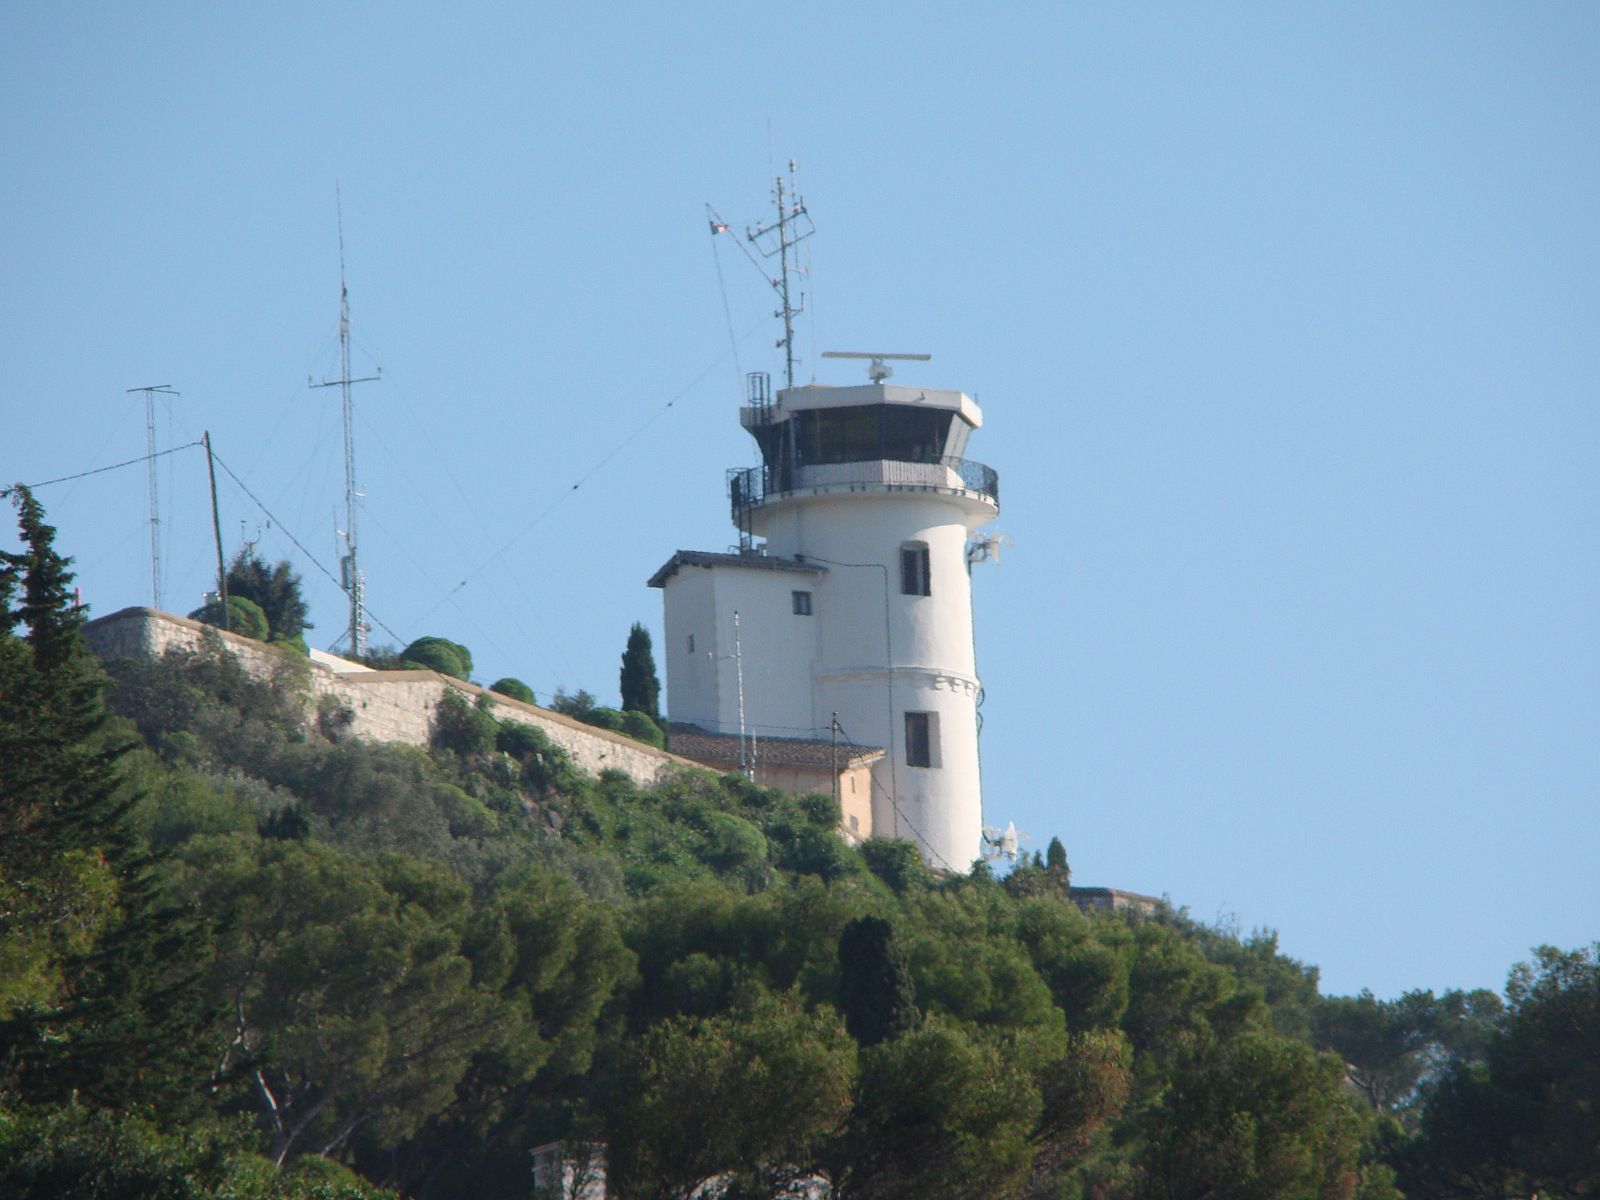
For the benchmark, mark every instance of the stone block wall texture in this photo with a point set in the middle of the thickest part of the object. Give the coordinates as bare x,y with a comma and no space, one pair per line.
384,706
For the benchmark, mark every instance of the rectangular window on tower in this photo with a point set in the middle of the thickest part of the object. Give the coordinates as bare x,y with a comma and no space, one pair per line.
922,739
802,603
914,570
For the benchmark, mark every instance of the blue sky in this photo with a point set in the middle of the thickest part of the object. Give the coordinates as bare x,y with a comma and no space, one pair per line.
1283,319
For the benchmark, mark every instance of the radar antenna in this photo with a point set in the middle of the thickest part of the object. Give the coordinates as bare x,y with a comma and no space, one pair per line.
877,371
350,574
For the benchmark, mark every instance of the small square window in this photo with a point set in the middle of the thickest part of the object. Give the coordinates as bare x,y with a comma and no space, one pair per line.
802,603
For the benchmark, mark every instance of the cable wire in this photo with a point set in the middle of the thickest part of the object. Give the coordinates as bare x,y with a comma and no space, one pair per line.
112,467
284,529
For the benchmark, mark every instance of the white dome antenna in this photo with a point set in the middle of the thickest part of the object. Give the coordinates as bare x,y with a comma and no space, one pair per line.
877,371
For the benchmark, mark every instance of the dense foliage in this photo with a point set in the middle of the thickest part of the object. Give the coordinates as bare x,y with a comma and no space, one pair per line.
264,602
240,955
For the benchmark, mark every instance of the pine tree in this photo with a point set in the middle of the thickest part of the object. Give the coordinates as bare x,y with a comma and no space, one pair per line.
117,1003
641,690
275,589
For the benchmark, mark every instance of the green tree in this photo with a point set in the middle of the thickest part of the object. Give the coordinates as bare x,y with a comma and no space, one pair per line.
1083,1088
641,689
875,991
57,790
1526,1119
350,1000
1257,1117
753,1094
439,654
938,1114
897,863
464,726
276,590
101,995
80,1153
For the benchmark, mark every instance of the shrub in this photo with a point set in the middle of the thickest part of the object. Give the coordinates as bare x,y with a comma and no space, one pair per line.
462,727
244,617
605,718
641,728
514,688
439,654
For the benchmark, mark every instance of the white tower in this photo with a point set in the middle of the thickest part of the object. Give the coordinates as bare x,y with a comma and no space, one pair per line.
859,603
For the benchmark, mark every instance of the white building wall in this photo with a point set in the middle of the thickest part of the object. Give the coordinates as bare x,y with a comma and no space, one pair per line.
689,612
777,649
878,661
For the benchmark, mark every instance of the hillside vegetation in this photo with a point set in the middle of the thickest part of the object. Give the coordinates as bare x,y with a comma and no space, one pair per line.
242,957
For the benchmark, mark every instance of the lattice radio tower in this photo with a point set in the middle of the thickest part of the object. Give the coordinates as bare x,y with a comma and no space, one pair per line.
150,394
349,569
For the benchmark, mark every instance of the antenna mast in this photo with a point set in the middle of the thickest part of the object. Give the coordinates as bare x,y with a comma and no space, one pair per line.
150,394
349,569
792,227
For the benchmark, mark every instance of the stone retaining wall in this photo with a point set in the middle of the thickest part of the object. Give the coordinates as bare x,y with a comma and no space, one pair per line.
385,706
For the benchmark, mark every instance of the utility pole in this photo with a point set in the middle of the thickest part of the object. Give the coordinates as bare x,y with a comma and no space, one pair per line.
150,394
216,529
350,571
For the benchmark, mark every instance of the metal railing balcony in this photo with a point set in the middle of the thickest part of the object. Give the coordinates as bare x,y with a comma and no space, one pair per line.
751,487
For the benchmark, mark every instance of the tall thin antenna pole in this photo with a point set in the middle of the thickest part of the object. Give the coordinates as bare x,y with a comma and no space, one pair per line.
833,762
150,394
216,528
351,572
357,616
746,767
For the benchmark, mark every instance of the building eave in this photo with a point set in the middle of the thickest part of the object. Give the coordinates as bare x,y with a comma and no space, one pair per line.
743,562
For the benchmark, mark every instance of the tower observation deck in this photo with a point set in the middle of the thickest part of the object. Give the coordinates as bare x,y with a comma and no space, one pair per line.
857,601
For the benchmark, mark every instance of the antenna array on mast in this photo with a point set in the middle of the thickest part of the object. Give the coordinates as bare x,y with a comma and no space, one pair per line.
350,573
780,237
792,227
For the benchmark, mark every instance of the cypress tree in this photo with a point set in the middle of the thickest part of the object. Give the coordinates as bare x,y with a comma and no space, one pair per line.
1055,862
1056,856
641,690
875,992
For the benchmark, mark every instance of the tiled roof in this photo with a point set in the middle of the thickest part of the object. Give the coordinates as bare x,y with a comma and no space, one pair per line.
752,561
722,749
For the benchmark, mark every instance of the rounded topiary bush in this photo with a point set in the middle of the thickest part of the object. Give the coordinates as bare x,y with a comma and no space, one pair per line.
605,718
514,688
439,654
641,728
244,617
